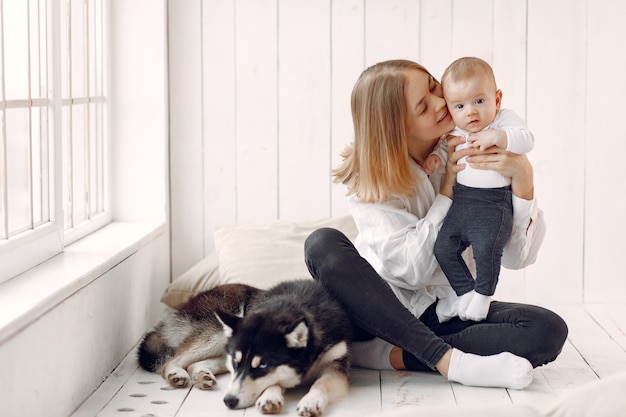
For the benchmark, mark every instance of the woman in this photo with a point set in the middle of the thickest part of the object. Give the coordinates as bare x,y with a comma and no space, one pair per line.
392,286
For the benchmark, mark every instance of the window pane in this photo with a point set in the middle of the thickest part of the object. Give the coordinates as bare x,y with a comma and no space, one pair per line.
3,185
33,55
77,51
40,165
96,159
16,49
95,48
38,42
18,170
63,50
79,167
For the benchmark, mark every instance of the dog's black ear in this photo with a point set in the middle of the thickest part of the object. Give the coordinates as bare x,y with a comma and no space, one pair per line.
230,322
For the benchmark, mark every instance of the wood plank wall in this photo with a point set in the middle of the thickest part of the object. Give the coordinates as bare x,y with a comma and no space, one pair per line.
259,95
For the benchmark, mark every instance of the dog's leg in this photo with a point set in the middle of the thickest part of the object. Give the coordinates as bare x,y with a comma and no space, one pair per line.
332,385
193,350
271,401
203,372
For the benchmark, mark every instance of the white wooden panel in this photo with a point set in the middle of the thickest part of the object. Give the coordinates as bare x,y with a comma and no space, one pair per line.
186,201
304,112
612,319
138,106
476,396
145,393
204,403
509,65
363,397
219,193
272,135
404,388
601,352
435,49
472,29
509,53
84,337
391,30
605,185
257,145
556,112
347,64
372,391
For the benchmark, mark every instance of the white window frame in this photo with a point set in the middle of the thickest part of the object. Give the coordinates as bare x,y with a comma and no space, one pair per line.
27,249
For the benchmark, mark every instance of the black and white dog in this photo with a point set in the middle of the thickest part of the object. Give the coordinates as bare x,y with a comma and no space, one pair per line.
291,334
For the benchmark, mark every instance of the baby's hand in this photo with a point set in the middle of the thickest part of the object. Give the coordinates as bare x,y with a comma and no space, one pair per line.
487,138
431,164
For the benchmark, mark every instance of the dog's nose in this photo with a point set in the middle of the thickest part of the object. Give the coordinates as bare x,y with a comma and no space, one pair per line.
231,401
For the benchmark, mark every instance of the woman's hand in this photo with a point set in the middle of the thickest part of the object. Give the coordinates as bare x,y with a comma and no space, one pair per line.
508,164
451,166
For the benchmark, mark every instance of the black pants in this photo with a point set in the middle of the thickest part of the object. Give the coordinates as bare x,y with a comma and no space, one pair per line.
482,218
528,331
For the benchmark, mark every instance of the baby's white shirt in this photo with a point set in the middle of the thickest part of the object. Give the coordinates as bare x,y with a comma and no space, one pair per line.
519,140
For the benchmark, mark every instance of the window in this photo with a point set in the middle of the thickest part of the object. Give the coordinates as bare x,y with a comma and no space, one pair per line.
53,148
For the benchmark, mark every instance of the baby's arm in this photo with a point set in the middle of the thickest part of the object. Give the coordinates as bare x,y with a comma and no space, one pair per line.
432,163
488,138
508,131
437,157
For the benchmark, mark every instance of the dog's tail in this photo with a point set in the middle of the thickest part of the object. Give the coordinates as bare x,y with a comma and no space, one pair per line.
153,352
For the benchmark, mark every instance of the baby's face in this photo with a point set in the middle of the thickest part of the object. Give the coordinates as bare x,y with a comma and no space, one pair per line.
473,104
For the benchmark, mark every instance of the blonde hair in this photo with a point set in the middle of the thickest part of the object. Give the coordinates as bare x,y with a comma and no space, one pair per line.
376,166
467,68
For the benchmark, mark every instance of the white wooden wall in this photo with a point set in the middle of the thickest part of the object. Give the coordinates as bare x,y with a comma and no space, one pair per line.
259,113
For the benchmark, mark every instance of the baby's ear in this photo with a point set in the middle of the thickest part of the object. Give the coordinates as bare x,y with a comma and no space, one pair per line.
498,99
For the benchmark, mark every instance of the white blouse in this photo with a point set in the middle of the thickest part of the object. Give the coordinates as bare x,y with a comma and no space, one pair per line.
397,238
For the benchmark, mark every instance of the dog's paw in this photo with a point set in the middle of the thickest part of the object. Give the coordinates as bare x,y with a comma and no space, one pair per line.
204,380
312,405
178,378
271,401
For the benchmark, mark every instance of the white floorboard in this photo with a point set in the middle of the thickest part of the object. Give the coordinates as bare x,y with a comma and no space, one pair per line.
596,348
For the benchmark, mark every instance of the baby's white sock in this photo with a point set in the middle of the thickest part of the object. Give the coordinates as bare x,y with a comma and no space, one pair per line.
464,302
372,354
478,307
504,370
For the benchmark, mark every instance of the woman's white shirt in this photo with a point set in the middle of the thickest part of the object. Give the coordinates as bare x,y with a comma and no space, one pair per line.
397,238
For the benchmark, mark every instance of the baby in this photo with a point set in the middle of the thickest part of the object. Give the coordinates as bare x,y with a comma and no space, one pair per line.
481,214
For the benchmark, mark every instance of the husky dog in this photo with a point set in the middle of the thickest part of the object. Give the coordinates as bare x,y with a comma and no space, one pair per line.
291,334
188,344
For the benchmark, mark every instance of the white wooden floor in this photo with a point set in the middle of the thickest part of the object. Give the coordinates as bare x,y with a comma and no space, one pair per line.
596,348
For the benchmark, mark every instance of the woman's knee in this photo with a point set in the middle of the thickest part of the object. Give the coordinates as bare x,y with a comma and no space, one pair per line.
321,240
556,331
320,248
552,333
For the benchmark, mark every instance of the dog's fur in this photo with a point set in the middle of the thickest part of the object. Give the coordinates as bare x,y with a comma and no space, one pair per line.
188,344
294,333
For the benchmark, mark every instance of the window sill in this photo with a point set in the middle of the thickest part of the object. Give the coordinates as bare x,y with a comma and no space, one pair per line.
30,295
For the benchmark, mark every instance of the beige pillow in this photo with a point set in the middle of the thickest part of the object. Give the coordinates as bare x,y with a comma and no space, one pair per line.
264,254
202,276
259,254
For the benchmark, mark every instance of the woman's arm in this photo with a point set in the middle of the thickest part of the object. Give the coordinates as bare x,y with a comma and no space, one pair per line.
508,164
452,167
397,243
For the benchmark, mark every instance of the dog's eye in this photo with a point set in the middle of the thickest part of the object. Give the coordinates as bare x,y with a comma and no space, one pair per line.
262,366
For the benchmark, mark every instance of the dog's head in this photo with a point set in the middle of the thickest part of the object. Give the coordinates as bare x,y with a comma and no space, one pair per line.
263,350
